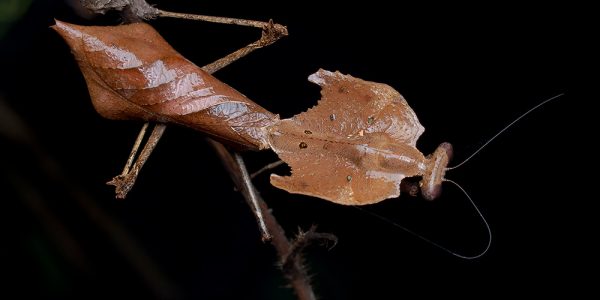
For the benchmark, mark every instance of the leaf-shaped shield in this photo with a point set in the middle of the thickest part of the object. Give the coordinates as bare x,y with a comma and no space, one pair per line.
354,147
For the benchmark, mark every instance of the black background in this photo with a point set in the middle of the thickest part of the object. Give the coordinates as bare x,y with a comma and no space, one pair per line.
467,71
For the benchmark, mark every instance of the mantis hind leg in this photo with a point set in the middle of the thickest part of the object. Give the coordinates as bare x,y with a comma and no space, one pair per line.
271,32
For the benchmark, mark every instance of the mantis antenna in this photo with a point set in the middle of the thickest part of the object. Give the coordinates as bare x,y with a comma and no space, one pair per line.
481,216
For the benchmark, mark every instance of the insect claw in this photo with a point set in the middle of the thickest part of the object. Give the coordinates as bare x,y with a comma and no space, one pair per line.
122,184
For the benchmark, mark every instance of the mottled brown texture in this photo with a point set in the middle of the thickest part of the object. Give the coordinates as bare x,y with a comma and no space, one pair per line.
355,146
139,8
133,73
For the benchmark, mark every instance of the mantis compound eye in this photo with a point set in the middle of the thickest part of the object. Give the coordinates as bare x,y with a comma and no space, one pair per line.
431,184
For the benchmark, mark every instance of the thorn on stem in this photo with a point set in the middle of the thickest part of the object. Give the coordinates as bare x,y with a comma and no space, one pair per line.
300,243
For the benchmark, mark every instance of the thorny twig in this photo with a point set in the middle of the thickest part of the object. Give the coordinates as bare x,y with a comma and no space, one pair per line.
289,252
297,246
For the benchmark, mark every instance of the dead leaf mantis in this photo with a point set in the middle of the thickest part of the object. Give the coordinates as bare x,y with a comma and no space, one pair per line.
355,147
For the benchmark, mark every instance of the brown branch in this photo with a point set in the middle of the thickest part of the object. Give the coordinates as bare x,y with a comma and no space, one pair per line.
299,244
289,253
